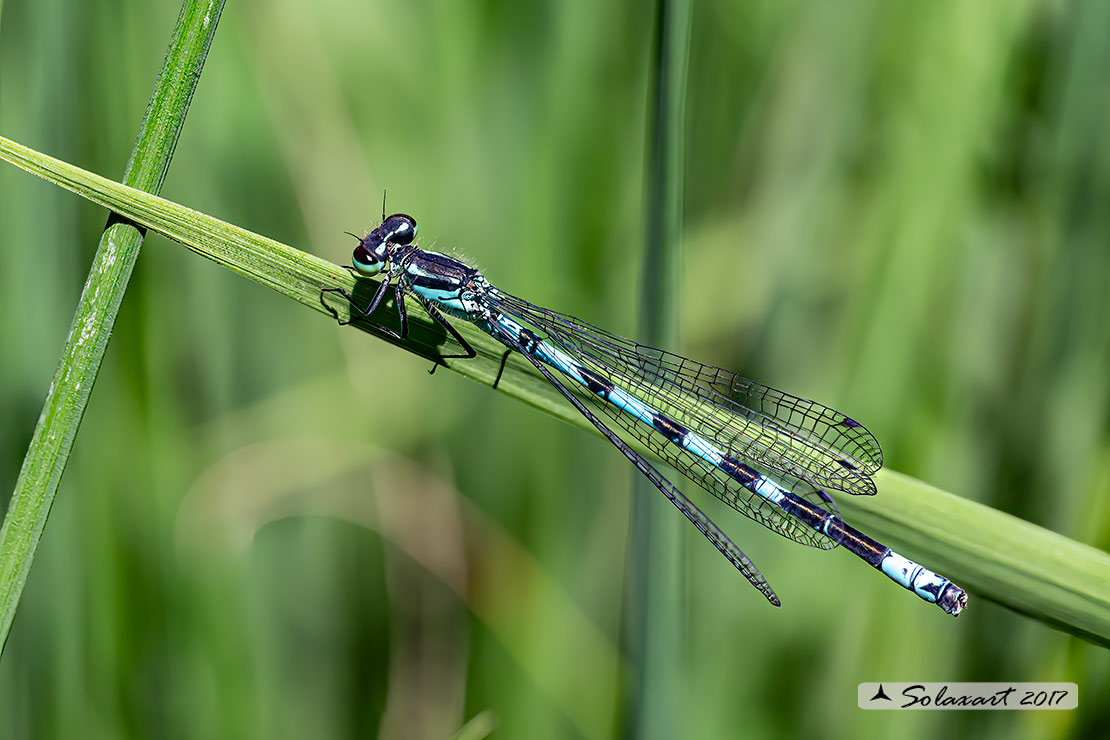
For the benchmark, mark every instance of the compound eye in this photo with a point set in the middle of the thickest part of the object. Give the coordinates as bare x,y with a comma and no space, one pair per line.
399,229
366,262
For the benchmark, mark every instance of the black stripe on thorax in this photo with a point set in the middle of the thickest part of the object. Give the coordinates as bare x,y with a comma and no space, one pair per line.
435,282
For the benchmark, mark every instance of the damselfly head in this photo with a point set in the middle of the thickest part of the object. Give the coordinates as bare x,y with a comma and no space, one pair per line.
371,256
398,229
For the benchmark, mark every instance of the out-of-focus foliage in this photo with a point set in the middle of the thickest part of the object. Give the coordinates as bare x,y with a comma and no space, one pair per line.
271,527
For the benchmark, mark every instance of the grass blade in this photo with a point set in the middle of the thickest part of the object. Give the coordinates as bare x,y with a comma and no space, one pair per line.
653,609
97,308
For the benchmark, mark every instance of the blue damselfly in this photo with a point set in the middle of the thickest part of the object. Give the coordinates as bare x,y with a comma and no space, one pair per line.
767,454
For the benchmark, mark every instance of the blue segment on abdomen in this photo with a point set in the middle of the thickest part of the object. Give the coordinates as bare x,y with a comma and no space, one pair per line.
696,444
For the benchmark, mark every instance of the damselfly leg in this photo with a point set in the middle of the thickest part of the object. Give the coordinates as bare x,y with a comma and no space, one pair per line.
402,315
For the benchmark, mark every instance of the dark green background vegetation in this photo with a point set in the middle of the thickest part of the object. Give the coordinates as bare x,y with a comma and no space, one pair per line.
271,527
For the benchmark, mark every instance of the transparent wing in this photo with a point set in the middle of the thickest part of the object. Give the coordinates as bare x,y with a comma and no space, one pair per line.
720,484
776,431
713,479
704,524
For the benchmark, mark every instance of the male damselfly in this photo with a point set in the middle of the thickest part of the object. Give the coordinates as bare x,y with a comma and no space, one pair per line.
767,454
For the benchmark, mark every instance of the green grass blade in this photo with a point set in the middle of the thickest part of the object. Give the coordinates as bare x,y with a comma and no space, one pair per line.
97,308
1049,577
653,610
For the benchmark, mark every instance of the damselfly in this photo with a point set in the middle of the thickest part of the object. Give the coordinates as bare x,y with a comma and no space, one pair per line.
767,454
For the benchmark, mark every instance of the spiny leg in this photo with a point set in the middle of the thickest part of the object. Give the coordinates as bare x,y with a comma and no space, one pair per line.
469,352
501,369
366,312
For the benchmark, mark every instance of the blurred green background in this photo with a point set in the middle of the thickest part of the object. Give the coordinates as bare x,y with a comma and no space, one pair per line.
272,527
